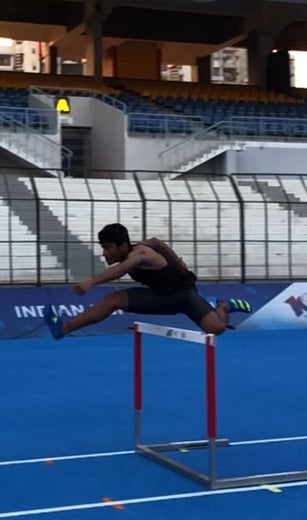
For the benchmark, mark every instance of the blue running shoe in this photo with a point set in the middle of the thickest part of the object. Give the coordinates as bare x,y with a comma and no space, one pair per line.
53,322
237,305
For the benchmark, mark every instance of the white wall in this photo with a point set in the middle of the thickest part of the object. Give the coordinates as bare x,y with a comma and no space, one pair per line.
142,153
31,57
282,159
274,158
80,111
108,136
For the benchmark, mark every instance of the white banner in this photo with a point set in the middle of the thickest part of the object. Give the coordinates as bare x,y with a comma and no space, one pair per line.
288,310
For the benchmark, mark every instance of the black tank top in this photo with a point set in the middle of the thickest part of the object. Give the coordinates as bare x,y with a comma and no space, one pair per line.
171,278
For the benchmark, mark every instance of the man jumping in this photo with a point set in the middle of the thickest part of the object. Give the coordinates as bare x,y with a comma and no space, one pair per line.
170,288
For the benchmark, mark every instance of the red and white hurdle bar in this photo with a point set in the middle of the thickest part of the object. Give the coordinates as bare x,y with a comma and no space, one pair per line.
155,451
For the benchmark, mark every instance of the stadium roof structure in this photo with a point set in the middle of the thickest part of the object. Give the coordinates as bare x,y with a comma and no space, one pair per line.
210,22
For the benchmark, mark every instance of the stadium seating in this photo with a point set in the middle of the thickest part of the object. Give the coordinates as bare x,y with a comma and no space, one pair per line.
167,107
15,88
198,217
174,89
15,110
238,110
275,225
179,115
164,108
18,252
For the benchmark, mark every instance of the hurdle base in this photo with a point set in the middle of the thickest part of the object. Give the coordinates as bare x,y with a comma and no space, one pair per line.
154,452
155,456
270,479
185,445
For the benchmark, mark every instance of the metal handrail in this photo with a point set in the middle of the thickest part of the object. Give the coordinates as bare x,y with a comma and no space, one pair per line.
64,91
65,152
217,130
163,115
29,113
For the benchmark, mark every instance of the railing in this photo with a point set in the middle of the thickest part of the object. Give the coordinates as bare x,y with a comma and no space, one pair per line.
257,127
38,100
32,146
41,120
233,130
64,92
225,228
159,123
143,123
45,97
194,146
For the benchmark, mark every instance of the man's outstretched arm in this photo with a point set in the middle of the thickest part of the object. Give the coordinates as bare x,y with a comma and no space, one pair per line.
112,273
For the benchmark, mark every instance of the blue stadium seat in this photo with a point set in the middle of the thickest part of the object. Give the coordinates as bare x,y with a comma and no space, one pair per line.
15,110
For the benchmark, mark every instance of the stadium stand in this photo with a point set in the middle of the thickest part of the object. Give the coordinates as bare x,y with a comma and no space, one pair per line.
204,219
20,252
201,217
275,224
14,109
178,108
250,110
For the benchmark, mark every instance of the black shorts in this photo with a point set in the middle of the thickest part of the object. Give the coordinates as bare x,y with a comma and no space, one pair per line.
188,302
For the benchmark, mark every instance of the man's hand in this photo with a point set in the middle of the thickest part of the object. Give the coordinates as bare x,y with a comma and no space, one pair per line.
82,288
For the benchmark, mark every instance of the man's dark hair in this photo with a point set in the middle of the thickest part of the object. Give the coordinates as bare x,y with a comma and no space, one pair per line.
114,234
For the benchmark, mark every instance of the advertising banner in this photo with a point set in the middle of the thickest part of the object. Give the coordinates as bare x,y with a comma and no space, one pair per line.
21,308
287,310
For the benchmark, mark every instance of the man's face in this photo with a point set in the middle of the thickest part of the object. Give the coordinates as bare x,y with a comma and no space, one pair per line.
114,253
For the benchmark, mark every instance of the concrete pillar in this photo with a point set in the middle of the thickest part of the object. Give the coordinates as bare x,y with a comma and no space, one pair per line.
260,45
204,69
94,32
53,57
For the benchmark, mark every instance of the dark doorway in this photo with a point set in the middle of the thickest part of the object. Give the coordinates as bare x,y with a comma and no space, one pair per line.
78,140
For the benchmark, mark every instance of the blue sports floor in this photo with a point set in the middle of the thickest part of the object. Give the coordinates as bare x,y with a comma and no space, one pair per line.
66,434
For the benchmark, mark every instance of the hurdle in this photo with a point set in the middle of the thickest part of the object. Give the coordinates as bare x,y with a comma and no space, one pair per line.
155,452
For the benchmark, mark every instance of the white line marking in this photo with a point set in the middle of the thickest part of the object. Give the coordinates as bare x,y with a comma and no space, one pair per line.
268,441
132,452
143,500
68,457
253,441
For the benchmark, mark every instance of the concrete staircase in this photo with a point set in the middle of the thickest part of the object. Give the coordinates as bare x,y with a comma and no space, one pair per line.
67,247
31,146
197,149
210,153
277,194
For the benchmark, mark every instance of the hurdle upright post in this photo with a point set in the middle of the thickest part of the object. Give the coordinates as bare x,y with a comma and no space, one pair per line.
137,383
211,406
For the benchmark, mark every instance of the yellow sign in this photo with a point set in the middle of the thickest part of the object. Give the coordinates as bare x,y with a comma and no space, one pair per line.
62,105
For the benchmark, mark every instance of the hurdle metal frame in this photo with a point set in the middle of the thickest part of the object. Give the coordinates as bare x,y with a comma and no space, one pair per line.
154,452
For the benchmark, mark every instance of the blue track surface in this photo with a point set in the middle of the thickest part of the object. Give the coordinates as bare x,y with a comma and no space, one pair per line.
75,397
